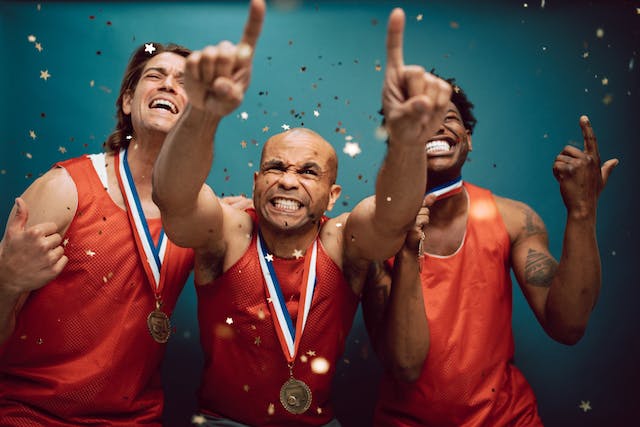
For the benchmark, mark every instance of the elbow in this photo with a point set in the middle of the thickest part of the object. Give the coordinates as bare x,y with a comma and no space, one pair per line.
407,373
569,335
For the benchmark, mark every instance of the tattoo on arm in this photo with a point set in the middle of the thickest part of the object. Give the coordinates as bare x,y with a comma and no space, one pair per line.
539,269
533,224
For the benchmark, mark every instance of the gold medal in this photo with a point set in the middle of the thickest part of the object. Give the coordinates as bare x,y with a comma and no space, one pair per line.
295,396
159,324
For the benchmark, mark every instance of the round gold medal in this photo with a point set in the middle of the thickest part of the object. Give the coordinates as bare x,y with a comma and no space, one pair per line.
159,326
295,396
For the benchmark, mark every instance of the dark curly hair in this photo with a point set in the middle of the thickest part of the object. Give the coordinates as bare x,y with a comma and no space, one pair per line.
118,138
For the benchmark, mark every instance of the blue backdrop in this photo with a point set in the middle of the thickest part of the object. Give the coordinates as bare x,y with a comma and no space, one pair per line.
530,67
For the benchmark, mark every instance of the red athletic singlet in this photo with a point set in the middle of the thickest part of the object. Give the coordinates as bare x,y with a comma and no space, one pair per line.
81,353
468,378
244,363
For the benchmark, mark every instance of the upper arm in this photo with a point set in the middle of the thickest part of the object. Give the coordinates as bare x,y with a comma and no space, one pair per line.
532,263
52,198
365,238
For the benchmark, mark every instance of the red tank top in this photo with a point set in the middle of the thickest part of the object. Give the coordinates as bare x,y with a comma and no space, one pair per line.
81,353
468,378
244,363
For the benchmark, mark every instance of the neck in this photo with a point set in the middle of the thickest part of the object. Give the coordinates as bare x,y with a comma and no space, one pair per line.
285,243
447,209
141,157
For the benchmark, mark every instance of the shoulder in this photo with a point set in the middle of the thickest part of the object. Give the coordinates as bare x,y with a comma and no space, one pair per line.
519,218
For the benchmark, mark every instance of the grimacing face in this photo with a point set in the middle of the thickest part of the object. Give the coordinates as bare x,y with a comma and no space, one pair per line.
159,97
295,184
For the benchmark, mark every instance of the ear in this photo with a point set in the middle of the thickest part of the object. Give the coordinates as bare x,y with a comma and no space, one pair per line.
126,102
334,194
469,140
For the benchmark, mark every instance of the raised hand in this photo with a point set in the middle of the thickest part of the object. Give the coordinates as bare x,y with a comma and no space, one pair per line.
414,101
30,257
580,175
217,77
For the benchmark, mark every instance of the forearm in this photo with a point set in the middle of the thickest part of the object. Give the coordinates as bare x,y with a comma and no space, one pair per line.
576,284
9,299
404,337
400,187
185,160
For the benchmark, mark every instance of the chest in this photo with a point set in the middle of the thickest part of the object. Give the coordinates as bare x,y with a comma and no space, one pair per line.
446,237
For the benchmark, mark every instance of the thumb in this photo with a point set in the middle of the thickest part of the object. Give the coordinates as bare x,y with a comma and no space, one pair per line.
429,200
607,168
19,220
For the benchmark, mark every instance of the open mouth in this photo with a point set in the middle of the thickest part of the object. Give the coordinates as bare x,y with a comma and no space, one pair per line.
438,146
286,205
164,104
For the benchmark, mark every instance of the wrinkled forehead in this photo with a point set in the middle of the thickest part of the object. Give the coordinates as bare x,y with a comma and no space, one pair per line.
168,62
299,146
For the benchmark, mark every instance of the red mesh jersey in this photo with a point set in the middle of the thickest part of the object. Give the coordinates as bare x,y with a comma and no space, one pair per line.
468,378
244,363
81,353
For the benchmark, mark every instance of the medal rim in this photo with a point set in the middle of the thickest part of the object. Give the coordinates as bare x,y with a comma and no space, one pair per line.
166,330
283,396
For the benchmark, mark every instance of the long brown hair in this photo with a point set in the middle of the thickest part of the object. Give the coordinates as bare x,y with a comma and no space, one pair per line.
123,132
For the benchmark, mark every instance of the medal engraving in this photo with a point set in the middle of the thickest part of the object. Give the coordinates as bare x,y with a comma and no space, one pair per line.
159,326
295,396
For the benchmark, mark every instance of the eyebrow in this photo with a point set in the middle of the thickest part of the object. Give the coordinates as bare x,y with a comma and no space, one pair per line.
280,163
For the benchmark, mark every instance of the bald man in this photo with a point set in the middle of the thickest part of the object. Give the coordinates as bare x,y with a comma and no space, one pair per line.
278,285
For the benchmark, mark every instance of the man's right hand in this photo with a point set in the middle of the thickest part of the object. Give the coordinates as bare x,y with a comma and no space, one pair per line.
217,77
30,257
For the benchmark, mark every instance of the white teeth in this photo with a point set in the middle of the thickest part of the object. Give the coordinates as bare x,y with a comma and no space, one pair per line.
286,204
159,103
437,146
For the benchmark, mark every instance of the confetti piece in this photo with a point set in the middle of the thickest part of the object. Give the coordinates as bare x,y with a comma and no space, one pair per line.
32,134
44,75
419,17
388,199
199,420
600,33
607,99
585,405
90,252
38,47
245,387
605,81
297,253
352,149
31,38
269,257
320,365
257,341
285,126
62,149
271,409
454,25
229,321
149,48
244,115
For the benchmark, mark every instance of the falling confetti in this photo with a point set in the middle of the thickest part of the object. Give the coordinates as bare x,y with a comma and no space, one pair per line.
600,33
320,365
265,129
149,48
38,47
454,25
297,253
607,99
31,38
62,149
269,257
605,81
585,405
271,409
316,113
352,149
419,17
229,321
243,144
32,134
90,252
244,115
199,420
285,126
44,75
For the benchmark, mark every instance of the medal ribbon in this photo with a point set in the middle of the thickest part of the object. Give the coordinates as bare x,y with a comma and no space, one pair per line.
289,336
447,189
144,242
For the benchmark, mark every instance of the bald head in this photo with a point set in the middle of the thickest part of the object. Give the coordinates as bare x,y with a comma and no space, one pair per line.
279,145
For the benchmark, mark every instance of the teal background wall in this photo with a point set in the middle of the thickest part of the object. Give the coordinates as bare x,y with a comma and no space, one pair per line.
530,67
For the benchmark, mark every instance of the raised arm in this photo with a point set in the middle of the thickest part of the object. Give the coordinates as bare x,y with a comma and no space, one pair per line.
393,306
562,295
216,79
31,254
414,104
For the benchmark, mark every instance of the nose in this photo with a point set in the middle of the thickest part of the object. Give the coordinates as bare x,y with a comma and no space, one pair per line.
169,84
288,180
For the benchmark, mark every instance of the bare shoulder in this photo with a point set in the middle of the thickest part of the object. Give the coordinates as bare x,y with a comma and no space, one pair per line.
52,198
520,219
332,237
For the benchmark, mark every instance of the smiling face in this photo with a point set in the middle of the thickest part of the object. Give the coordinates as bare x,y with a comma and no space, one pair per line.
159,98
296,181
447,150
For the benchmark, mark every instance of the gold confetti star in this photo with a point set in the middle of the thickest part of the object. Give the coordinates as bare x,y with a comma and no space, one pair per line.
257,341
229,321
608,99
260,314
265,129
199,420
605,81
32,134
28,155
149,48
316,113
65,242
62,149
389,199
31,38
352,149
38,47
92,83
271,409
378,67
311,353
269,257
44,75
243,143
600,33
419,17
285,126
585,405
90,252
297,253
245,387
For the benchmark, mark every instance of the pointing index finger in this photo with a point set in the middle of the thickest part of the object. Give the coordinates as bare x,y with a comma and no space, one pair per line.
395,30
590,142
252,29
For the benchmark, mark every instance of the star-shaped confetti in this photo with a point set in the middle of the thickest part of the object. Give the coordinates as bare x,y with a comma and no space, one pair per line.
352,149
44,75
585,405
600,33
149,48
419,17
31,38
62,149
316,113
285,126
38,47
297,253
90,252
265,129
605,81
199,420
229,321
311,353
257,341
244,115
269,257
243,143
65,242
32,134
